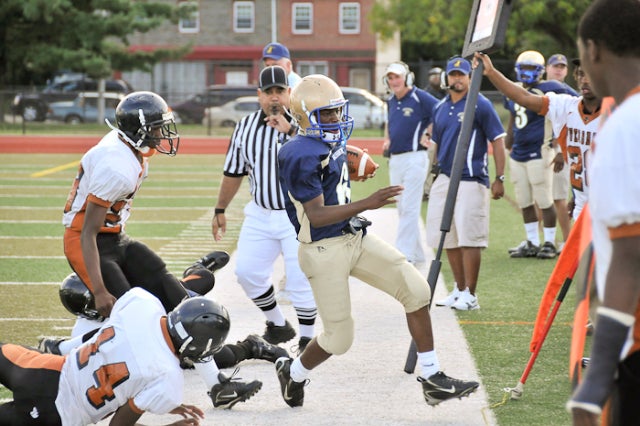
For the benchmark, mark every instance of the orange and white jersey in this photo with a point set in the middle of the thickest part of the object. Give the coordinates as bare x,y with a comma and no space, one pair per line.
130,360
575,132
109,175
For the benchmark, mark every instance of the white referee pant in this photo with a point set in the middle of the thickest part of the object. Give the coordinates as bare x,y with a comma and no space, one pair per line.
409,169
265,234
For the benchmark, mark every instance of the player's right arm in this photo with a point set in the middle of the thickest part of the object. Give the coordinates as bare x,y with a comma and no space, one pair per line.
511,90
126,416
228,189
93,220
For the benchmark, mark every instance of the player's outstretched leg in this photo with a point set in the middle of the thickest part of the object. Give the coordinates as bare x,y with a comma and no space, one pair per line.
231,390
292,391
212,261
440,387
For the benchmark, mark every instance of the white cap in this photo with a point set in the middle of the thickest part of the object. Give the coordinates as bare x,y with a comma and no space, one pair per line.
396,68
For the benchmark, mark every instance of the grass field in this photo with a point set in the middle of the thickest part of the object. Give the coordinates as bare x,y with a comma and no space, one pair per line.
172,214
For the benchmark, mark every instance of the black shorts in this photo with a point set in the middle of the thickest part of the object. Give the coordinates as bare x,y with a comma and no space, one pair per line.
33,378
625,399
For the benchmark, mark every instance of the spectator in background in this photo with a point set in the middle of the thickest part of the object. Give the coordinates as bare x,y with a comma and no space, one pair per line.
409,113
278,54
557,69
435,83
470,225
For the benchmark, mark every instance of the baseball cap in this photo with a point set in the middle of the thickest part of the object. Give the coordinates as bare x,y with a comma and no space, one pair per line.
459,64
275,51
273,76
557,59
435,70
396,68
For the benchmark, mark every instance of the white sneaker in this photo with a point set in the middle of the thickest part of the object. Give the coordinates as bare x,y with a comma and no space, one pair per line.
466,302
451,298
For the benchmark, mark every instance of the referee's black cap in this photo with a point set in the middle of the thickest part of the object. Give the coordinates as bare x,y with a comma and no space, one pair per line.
273,76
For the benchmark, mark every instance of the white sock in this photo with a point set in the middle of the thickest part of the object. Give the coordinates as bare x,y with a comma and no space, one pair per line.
67,345
307,330
549,235
208,371
297,371
531,229
275,316
429,364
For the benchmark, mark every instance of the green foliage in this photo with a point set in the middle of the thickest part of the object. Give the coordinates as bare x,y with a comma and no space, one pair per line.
91,36
435,29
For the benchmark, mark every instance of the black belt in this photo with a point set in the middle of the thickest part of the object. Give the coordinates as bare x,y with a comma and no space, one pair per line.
355,225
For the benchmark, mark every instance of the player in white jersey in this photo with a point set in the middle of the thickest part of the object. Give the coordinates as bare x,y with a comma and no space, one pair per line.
105,259
122,370
574,119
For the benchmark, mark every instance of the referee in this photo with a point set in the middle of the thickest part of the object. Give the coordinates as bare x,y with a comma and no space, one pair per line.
266,231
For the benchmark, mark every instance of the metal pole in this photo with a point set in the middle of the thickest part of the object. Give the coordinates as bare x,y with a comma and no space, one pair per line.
464,139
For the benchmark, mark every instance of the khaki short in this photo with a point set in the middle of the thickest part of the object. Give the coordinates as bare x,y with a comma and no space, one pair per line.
470,222
561,183
532,180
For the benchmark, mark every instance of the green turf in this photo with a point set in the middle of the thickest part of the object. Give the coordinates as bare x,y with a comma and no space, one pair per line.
181,190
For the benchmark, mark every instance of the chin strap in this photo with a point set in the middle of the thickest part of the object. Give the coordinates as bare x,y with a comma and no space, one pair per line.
143,149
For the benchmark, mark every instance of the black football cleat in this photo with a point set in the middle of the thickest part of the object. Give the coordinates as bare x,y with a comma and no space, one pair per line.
212,261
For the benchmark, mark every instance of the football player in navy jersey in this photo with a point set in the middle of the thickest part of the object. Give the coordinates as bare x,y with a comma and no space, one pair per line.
469,232
334,244
531,160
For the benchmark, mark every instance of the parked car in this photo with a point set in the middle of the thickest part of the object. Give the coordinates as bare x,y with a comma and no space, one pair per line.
84,108
368,110
192,110
33,106
229,114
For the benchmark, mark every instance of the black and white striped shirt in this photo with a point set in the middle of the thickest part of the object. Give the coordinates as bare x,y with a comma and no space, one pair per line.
253,152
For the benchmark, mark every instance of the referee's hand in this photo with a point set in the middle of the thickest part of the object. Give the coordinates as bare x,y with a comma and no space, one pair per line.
218,226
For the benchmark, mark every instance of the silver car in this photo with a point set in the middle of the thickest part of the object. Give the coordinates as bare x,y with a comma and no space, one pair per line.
227,115
84,108
368,110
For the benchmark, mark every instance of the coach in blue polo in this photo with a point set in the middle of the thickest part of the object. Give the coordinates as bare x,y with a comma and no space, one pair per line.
469,232
409,115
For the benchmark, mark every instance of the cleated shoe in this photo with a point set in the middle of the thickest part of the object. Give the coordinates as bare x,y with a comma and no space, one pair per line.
466,302
302,344
212,261
547,251
440,387
230,391
525,249
451,298
292,392
261,349
50,345
275,334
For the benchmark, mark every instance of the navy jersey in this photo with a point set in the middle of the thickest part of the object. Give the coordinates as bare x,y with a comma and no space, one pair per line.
308,168
407,120
528,126
447,123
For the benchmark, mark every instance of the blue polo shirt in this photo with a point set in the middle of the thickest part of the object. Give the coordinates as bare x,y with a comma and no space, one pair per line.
309,167
528,126
407,119
447,123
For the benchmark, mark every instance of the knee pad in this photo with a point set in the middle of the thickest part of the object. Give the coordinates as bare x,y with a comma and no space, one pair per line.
337,338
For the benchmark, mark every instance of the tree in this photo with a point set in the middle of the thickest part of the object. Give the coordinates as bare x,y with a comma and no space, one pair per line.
39,37
435,29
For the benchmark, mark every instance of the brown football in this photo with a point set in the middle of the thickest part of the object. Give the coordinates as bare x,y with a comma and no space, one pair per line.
361,165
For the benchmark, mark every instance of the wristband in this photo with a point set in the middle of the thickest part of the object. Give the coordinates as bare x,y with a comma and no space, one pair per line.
218,211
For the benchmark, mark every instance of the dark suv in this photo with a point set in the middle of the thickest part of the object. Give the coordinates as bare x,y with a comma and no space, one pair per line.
192,110
33,106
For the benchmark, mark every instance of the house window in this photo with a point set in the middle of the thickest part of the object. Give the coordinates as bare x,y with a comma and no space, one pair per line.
302,18
243,16
349,18
312,67
190,23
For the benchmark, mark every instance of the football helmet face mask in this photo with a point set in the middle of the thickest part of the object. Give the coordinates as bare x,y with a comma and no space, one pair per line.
77,299
534,63
309,97
198,327
144,120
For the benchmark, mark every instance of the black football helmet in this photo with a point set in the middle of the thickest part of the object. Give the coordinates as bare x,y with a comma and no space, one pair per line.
198,327
76,297
139,117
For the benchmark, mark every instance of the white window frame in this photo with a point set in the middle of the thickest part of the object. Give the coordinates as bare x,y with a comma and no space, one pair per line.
347,18
250,6
312,67
302,7
191,25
